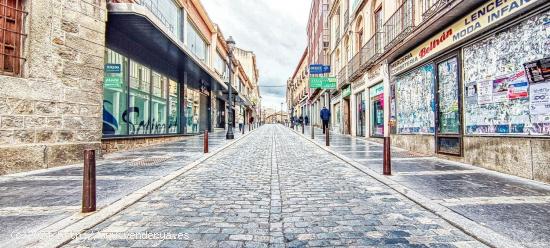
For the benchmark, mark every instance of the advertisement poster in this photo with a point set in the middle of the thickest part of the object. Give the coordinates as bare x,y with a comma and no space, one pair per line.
538,71
540,98
518,87
500,90
485,92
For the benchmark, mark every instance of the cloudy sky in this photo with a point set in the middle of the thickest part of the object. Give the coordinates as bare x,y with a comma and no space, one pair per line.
274,30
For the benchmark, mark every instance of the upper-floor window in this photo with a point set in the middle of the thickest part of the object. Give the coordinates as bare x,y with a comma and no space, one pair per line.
195,42
220,65
11,37
167,11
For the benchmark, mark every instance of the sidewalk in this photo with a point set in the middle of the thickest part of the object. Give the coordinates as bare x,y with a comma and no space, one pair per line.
513,207
48,199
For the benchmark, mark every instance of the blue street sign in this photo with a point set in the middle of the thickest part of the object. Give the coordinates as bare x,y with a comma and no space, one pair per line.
319,69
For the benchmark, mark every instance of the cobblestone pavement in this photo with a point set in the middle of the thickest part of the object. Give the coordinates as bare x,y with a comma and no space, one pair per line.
274,189
35,201
515,208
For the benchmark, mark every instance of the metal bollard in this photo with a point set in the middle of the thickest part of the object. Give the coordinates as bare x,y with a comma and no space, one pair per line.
205,141
89,183
244,126
387,157
312,130
327,137
250,126
303,129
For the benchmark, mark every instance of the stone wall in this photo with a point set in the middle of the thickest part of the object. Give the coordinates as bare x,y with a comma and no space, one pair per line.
53,111
123,144
524,157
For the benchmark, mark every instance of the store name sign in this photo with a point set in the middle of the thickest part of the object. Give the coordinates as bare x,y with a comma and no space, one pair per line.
477,21
322,82
113,68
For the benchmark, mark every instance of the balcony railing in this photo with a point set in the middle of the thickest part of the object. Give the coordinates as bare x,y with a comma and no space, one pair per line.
372,50
354,66
432,7
153,7
400,24
337,33
346,18
342,79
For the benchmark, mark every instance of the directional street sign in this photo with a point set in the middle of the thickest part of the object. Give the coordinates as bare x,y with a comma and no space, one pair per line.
319,69
322,82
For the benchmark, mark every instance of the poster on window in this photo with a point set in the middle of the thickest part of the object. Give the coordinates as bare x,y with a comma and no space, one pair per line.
518,107
484,92
415,101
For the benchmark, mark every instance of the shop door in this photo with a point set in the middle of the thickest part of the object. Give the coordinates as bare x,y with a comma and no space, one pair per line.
360,115
347,117
448,120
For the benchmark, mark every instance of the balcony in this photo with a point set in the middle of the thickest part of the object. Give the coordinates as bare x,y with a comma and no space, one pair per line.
342,78
346,18
372,50
431,7
354,67
400,24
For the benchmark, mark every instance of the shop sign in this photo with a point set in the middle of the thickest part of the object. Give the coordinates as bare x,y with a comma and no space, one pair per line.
113,82
322,82
113,68
377,90
540,98
476,22
346,91
538,71
204,88
319,69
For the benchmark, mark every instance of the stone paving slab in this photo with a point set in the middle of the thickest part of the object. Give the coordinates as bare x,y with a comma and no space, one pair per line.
32,201
274,189
516,200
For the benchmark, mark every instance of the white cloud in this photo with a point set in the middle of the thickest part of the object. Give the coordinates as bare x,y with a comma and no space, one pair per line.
274,30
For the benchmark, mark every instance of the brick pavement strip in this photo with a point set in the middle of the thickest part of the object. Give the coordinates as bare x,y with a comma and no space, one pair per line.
273,189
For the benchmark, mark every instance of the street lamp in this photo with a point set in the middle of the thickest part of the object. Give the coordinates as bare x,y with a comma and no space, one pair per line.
231,45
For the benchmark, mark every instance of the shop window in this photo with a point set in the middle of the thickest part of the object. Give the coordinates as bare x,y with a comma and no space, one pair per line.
138,116
115,94
192,110
377,110
159,100
415,103
11,36
173,106
499,100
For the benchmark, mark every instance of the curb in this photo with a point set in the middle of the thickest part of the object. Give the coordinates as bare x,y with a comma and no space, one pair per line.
79,223
469,227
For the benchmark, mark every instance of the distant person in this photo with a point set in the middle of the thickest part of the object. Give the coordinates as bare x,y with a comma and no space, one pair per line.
325,117
301,120
306,120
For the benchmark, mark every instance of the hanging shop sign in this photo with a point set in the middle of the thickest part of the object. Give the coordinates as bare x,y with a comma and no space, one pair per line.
319,69
538,71
322,82
479,20
346,91
376,90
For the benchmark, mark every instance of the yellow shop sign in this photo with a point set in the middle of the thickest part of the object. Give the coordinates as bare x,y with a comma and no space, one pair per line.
478,20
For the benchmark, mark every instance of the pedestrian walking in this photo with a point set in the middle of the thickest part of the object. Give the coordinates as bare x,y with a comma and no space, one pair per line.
301,120
306,120
325,117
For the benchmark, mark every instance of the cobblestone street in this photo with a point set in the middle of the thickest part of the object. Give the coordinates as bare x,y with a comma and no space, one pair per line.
273,188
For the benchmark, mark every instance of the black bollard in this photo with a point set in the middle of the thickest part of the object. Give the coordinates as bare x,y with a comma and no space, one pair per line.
387,157
89,183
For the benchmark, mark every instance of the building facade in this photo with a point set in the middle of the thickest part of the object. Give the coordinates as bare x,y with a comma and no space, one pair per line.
110,75
298,88
456,79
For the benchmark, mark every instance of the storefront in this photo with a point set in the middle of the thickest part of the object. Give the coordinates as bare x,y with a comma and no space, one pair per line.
377,110
346,109
138,100
467,90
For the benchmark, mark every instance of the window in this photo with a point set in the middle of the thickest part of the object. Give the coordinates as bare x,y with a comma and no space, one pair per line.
11,21
115,94
173,105
219,64
138,116
159,101
195,42
167,12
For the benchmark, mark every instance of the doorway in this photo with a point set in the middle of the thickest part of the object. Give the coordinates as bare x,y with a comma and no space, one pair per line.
448,121
347,116
360,100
